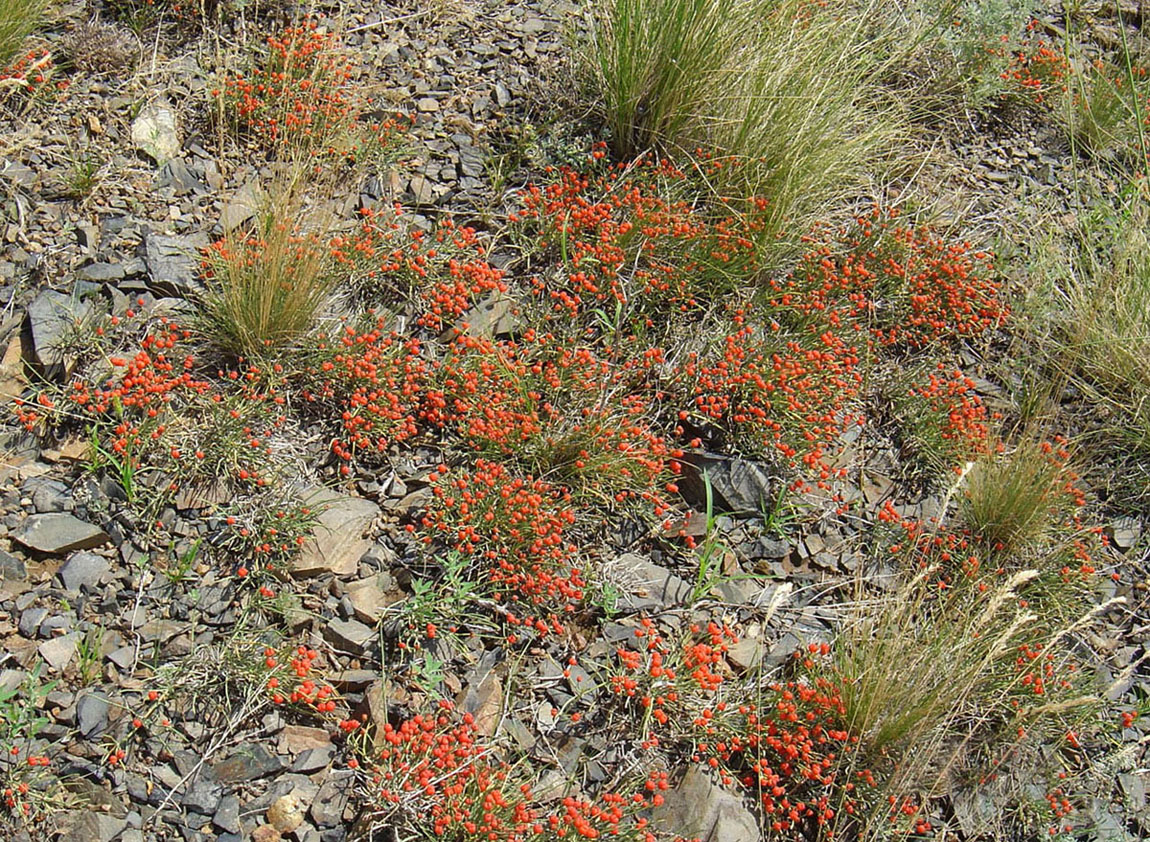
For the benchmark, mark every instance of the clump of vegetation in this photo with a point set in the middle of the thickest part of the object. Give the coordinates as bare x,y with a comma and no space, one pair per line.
789,91
435,769
658,64
1106,288
971,659
970,56
1108,109
1011,501
29,790
18,20
941,421
162,431
1101,102
524,404
29,74
99,47
1090,311
268,284
298,100
24,72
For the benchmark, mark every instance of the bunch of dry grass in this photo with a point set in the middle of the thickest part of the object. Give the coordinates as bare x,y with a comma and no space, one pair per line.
267,283
1088,311
1106,290
98,47
787,91
931,679
1010,501
18,19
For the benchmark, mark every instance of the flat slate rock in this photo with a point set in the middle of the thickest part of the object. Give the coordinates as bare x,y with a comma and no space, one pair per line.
83,571
91,826
57,532
369,598
646,586
699,808
11,567
349,635
244,205
738,486
338,542
92,715
51,316
247,763
174,261
59,651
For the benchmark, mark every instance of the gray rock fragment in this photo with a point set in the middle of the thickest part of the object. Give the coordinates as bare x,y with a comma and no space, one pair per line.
227,816
738,486
244,205
646,586
91,826
59,651
1125,532
370,597
174,262
49,495
52,317
699,808
349,635
247,763
11,567
83,571
203,797
30,621
101,272
313,759
57,532
175,174
327,807
92,715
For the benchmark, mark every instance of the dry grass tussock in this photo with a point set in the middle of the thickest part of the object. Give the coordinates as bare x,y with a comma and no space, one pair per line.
789,92
267,283
931,682
18,18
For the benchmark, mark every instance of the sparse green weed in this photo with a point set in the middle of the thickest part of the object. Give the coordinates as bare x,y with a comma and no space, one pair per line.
90,654
84,174
30,790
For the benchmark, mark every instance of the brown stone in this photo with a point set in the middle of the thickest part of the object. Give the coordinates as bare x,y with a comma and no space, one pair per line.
369,599
338,542
295,739
12,379
266,833
285,814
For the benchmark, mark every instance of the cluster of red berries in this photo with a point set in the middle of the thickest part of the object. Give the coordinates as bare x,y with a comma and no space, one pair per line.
1039,69
516,526
775,393
439,769
445,269
794,754
950,411
299,96
153,409
371,379
621,242
29,72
